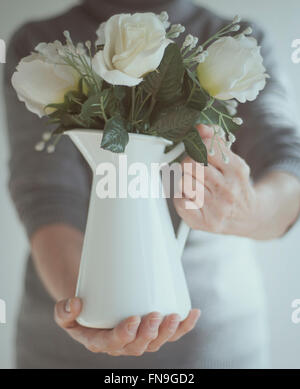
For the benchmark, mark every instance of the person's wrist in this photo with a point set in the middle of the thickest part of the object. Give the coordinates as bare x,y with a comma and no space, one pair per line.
259,213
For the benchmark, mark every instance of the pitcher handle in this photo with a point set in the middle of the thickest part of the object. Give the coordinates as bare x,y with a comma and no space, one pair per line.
174,153
183,229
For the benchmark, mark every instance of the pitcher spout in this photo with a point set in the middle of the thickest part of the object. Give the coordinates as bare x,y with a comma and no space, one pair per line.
88,143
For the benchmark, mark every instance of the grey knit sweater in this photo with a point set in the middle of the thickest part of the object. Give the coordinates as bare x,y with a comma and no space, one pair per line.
55,188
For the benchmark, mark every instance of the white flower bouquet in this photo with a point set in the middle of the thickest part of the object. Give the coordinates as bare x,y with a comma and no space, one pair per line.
137,79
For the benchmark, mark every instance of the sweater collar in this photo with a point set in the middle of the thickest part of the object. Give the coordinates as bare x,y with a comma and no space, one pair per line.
178,10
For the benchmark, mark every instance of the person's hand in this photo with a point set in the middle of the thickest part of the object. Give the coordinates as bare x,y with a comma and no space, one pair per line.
230,200
134,336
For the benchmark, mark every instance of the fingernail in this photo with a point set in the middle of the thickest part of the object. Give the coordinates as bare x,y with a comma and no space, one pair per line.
154,322
132,327
68,306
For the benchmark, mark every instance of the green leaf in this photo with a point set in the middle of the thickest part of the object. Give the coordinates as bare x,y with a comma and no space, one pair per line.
196,97
165,83
194,146
92,107
72,121
209,117
174,122
119,92
81,86
115,137
72,105
60,130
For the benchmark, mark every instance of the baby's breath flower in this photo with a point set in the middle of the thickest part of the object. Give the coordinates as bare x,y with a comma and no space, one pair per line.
67,35
235,28
47,136
200,58
248,31
238,121
199,49
80,50
50,149
189,39
222,133
237,19
88,45
163,16
175,31
180,28
232,103
219,131
195,41
40,146
231,138
231,110
166,24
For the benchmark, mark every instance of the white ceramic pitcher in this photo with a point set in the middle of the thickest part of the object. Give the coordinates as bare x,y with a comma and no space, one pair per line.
131,259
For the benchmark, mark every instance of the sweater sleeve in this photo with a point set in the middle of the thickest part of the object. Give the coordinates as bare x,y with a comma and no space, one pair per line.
270,139
45,188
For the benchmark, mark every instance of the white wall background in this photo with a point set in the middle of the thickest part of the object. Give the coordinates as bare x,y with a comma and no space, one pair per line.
279,260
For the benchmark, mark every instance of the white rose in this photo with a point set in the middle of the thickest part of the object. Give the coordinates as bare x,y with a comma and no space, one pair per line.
233,69
134,45
39,82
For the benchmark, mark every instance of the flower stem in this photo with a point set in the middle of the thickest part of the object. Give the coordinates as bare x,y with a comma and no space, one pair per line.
132,103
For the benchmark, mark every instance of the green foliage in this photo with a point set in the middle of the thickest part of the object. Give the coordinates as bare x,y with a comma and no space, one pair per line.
165,83
95,106
169,102
195,96
195,147
115,137
174,122
209,117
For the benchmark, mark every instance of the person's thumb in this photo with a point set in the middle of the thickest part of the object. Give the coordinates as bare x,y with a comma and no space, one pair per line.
205,131
66,312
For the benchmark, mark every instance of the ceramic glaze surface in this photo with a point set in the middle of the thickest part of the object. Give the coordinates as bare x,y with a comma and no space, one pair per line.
131,259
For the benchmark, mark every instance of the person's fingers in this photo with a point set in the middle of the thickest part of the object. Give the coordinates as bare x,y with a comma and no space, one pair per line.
66,312
166,330
217,158
114,341
214,180
148,331
219,150
107,341
195,169
205,131
187,325
189,212
193,190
